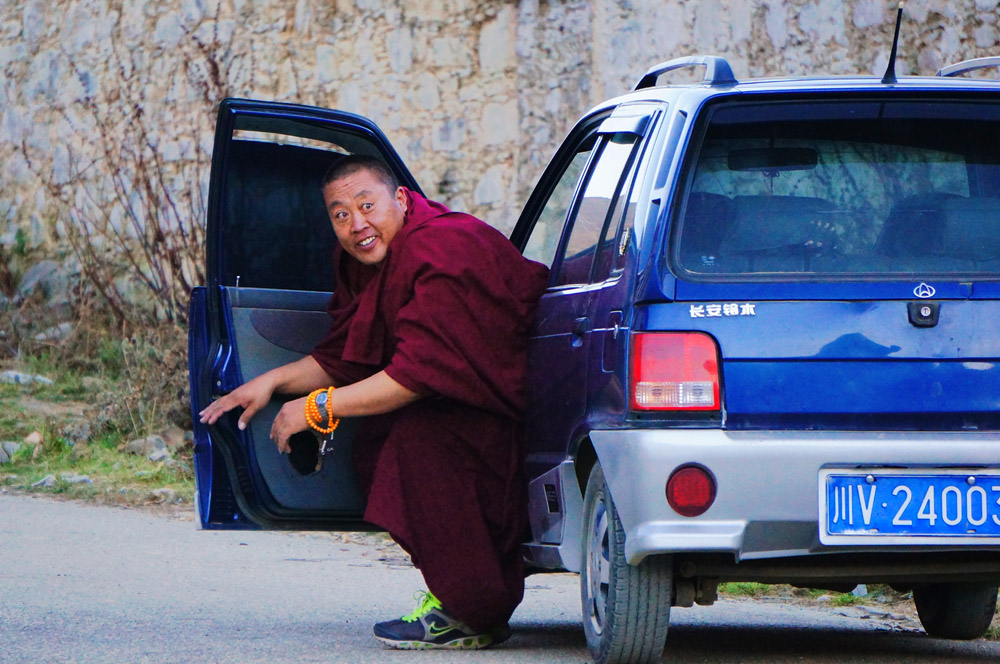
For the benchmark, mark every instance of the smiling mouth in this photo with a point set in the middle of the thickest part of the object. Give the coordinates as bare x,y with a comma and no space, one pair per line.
367,242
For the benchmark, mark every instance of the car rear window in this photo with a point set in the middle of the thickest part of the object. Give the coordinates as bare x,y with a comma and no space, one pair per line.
828,189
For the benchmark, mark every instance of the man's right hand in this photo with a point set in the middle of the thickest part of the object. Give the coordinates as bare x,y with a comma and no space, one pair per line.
250,396
299,377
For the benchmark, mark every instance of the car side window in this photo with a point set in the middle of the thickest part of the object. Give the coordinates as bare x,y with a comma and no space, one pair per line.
618,230
544,238
593,212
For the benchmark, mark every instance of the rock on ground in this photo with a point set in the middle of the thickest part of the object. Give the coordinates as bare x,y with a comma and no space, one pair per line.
145,446
19,378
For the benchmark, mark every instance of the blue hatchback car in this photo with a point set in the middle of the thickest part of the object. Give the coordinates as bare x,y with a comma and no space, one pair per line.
769,350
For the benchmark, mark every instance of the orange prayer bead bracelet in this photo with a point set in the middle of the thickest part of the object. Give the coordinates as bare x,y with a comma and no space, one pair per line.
313,416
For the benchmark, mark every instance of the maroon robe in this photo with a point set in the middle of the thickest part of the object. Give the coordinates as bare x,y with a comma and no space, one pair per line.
447,315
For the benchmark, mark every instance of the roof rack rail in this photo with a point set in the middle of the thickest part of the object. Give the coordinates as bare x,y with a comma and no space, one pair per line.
717,70
968,65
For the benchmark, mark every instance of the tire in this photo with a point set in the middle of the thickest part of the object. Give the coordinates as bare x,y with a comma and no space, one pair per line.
626,608
955,610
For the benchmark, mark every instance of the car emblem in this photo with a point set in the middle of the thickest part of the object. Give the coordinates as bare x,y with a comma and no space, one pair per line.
924,291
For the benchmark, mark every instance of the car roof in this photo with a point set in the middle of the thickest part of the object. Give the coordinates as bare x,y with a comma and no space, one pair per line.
726,84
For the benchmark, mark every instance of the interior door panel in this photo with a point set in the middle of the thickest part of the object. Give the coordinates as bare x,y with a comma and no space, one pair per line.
272,328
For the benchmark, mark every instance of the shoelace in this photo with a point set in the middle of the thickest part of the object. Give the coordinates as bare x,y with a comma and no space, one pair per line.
426,602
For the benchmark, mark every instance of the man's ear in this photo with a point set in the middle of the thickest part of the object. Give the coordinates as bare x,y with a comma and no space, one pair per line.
401,198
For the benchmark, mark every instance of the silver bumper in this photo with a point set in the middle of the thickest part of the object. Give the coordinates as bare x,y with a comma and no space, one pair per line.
767,502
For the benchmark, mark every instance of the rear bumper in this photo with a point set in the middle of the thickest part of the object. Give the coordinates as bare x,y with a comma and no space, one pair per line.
767,502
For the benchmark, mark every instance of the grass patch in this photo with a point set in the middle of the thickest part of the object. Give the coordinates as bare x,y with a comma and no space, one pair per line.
993,633
744,588
114,477
84,419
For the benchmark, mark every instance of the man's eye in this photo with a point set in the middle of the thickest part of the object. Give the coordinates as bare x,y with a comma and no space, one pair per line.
367,206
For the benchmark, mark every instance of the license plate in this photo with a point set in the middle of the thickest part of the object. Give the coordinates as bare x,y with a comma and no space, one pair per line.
925,506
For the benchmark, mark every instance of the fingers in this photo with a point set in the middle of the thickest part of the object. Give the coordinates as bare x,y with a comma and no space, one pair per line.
290,420
215,410
248,412
220,407
242,396
280,436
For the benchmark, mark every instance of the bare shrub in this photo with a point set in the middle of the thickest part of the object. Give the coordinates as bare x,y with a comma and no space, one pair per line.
133,188
131,191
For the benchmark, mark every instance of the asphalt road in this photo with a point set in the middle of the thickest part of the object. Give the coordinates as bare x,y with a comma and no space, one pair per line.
80,583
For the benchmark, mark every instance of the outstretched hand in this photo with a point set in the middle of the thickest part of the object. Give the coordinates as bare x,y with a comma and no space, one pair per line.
250,396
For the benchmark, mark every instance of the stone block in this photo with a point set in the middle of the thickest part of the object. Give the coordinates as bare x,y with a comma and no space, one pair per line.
399,48
19,378
10,448
426,93
868,13
449,135
46,482
159,455
496,42
73,478
986,36
146,446
33,21
326,63
79,28
176,438
489,189
164,495
12,53
169,30
76,433
500,123
449,52
53,279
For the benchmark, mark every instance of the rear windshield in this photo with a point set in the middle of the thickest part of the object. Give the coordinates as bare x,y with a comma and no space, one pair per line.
833,189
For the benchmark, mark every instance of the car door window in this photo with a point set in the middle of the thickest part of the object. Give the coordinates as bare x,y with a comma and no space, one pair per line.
274,226
593,212
544,239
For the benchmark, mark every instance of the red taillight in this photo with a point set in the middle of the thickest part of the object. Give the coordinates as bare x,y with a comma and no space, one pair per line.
691,490
674,371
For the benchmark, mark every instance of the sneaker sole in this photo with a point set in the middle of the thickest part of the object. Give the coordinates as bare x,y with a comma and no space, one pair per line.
477,642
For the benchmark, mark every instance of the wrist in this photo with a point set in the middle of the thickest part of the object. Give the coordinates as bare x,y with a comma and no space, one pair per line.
323,407
317,411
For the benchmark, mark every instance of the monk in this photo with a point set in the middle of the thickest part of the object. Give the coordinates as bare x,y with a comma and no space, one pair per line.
430,317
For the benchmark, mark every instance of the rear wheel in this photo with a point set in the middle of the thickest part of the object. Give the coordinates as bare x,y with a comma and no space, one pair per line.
955,610
626,608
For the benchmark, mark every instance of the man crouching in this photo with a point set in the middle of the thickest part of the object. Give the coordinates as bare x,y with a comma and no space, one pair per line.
431,318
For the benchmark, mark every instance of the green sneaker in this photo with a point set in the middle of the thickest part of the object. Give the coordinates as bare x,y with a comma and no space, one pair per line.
430,626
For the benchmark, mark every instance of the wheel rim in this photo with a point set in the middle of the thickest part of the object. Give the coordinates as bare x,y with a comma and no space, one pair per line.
598,565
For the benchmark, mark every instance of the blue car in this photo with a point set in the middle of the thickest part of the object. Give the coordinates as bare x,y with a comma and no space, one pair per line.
768,351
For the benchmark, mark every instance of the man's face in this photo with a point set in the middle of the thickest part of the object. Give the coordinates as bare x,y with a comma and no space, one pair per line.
366,214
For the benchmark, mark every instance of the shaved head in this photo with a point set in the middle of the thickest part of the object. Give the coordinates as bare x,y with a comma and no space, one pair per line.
351,164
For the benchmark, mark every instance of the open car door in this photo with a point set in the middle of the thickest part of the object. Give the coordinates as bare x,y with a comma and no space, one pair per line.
270,275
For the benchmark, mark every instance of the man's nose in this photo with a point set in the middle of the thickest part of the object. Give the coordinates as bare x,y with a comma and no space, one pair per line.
358,222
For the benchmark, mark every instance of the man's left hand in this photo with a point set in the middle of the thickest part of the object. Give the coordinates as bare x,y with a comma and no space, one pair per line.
291,419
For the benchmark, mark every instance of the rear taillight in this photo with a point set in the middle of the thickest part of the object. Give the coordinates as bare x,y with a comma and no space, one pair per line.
674,371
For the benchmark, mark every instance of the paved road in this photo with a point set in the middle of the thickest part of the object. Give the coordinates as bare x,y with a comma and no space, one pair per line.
94,584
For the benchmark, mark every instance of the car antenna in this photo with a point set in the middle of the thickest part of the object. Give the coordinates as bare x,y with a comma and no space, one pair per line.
890,71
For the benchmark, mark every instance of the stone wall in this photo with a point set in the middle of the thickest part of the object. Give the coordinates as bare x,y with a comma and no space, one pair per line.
474,94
